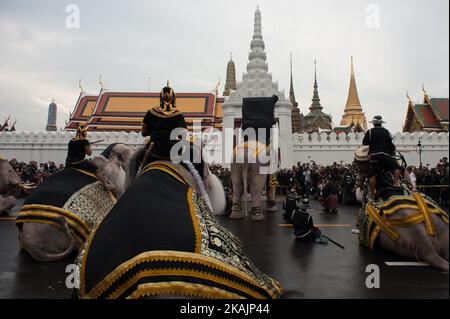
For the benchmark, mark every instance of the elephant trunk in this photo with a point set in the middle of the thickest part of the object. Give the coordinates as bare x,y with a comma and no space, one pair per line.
40,254
436,261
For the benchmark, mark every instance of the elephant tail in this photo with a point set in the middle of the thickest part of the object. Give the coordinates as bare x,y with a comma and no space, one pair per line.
40,254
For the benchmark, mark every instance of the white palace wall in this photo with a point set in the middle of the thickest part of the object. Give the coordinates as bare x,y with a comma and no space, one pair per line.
324,149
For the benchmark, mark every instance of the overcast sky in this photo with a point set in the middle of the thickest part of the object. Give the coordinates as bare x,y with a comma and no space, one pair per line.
189,43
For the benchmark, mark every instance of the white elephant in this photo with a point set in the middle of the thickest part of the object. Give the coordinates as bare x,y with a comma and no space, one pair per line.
249,171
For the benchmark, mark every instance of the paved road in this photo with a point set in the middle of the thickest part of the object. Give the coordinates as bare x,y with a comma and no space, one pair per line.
316,270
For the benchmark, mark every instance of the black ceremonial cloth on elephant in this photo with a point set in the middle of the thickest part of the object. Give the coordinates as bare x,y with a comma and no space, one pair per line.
161,238
58,188
259,113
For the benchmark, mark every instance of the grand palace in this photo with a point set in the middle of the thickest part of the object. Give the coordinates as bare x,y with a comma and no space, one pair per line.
114,111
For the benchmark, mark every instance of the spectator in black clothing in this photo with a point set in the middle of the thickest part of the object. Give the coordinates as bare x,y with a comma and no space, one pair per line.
381,150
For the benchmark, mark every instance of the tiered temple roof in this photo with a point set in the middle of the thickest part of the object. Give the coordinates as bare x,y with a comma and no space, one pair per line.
432,115
124,111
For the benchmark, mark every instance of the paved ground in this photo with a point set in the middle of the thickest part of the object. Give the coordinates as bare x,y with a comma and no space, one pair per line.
316,270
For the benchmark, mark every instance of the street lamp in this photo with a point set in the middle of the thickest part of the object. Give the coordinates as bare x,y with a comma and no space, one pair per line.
419,149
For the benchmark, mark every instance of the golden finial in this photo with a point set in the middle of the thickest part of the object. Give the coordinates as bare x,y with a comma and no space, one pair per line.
100,81
80,85
353,69
424,91
168,83
409,98
218,87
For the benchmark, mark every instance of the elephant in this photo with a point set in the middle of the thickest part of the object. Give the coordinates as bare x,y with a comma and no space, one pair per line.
249,172
9,180
405,222
163,238
60,213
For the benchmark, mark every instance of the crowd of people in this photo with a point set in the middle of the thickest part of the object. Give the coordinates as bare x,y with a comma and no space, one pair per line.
318,181
34,172
433,181
307,179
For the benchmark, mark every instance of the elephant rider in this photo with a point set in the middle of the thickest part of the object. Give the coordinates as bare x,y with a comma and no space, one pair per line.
161,239
78,148
158,124
381,151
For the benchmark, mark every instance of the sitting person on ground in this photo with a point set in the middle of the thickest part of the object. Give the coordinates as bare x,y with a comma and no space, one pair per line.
381,151
290,204
303,224
329,197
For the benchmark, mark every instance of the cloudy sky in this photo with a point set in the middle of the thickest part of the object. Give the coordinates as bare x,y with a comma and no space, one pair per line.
397,45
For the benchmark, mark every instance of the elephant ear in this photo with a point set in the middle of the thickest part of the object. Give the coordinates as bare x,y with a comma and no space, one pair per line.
99,161
215,191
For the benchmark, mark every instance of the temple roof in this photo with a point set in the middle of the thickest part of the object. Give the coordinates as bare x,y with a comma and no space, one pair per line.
439,106
425,116
125,110
83,110
431,115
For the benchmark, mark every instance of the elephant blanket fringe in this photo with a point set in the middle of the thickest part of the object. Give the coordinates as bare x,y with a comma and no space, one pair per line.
161,238
73,194
372,218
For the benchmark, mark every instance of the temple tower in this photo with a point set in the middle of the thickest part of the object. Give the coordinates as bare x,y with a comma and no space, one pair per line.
316,119
353,110
257,82
231,78
296,117
51,120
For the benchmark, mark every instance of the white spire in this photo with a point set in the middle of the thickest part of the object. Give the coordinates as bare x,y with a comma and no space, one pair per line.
257,56
257,81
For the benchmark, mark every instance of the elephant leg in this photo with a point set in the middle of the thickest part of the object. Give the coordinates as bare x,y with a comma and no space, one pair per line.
257,182
238,190
271,205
